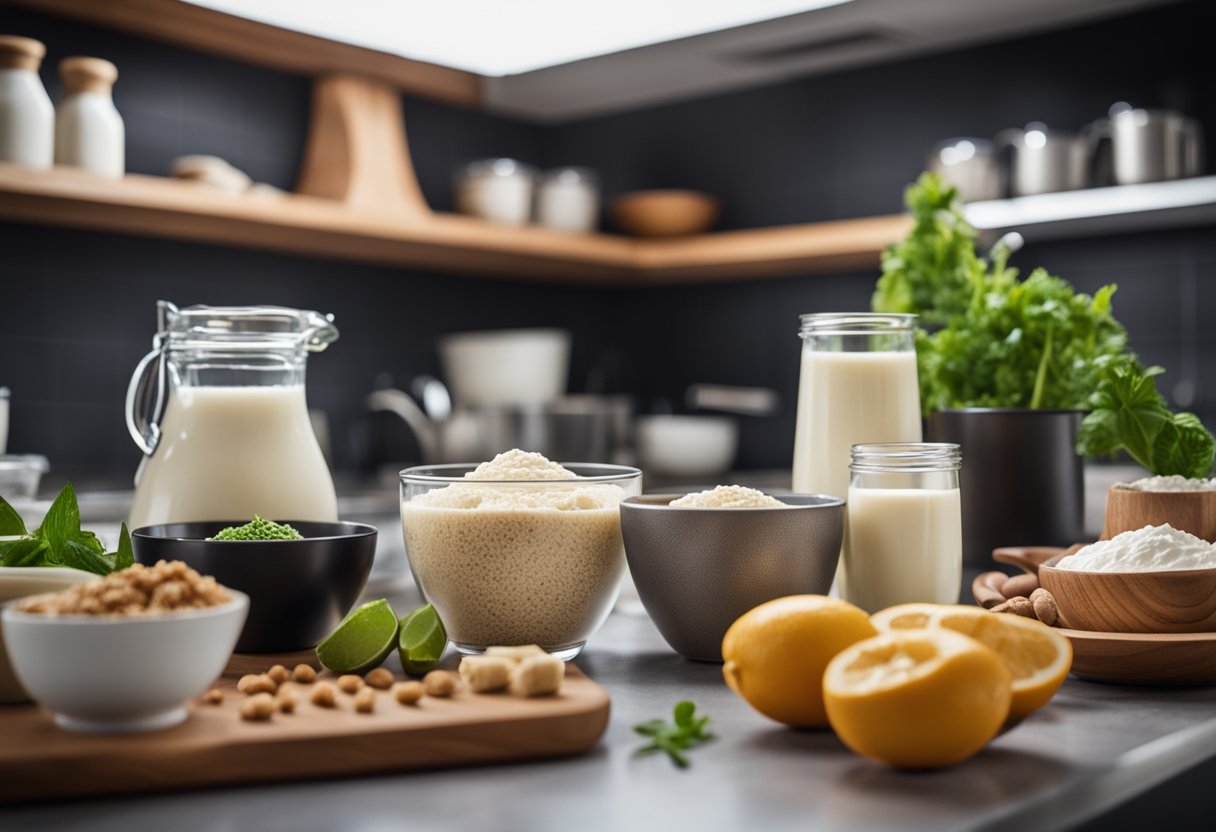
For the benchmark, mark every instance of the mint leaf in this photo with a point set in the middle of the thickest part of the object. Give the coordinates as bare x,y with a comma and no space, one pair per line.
674,738
79,556
29,551
10,521
61,524
124,557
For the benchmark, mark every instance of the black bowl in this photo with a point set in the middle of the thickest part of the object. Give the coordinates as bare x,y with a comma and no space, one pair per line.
298,589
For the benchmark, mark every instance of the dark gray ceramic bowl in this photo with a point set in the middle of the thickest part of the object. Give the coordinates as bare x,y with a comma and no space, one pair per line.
298,589
698,569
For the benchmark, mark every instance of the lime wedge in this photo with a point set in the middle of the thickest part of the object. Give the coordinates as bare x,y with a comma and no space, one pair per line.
422,641
362,641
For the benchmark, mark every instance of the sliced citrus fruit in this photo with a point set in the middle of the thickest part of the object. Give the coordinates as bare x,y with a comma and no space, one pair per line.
905,616
362,640
1037,656
422,641
775,654
917,698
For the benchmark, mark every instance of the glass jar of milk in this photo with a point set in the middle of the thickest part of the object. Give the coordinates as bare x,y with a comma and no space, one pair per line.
904,533
218,409
858,385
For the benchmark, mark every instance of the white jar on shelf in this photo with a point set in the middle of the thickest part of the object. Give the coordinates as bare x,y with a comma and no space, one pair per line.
496,189
89,132
568,199
27,119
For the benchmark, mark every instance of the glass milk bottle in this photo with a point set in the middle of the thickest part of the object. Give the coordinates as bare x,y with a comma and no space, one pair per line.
89,131
904,531
27,119
218,409
858,385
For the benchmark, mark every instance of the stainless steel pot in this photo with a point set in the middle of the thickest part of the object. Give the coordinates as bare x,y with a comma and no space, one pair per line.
971,165
1154,145
1044,160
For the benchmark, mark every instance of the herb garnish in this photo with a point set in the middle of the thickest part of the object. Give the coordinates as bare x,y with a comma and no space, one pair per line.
688,731
1129,413
60,541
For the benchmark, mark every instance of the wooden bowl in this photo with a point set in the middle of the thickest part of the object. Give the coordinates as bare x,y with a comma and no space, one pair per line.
1190,511
1178,601
1144,659
665,213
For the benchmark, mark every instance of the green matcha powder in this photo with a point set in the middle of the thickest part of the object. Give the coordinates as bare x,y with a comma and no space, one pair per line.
259,528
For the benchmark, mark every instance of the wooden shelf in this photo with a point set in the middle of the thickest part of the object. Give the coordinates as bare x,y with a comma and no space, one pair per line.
300,224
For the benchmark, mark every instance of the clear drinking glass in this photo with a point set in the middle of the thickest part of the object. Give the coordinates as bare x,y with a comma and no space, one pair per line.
218,408
511,562
904,529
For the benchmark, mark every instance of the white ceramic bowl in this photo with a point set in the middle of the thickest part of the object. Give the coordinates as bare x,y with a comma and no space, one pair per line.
18,582
507,367
106,674
686,446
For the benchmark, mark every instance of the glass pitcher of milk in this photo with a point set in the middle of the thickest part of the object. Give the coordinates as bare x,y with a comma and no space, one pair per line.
218,409
858,385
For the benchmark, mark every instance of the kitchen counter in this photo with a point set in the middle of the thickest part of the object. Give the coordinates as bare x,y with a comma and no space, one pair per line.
1091,748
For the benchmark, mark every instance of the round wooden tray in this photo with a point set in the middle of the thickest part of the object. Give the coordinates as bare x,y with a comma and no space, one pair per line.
1127,658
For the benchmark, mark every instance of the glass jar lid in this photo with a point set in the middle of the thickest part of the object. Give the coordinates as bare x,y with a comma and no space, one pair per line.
272,328
881,457
855,323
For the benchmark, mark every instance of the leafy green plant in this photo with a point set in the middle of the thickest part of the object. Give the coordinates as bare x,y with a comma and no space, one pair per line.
1129,414
60,541
674,738
934,271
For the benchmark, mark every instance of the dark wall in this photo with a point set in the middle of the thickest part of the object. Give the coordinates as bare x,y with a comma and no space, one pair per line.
80,305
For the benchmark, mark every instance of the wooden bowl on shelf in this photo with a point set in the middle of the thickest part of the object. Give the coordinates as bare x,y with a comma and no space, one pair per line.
1190,511
665,213
1176,601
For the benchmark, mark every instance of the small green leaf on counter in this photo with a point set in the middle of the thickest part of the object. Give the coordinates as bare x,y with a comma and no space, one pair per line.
674,738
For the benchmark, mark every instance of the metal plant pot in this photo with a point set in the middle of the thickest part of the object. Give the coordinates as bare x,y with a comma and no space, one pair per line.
1022,481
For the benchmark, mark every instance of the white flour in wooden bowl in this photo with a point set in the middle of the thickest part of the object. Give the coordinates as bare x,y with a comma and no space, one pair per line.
1150,549
1170,485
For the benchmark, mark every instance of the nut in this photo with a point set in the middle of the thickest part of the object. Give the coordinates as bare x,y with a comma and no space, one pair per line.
1022,585
304,673
439,683
987,589
323,695
214,696
1045,608
484,674
349,683
258,708
365,700
380,678
279,674
408,693
1017,606
256,683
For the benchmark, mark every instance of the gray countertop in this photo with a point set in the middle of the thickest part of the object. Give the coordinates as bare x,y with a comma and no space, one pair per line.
1091,748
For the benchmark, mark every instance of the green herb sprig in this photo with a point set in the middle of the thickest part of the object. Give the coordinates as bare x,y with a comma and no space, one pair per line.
674,738
1128,412
60,541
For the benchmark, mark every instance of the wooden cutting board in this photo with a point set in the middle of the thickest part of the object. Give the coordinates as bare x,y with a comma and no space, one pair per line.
38,761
